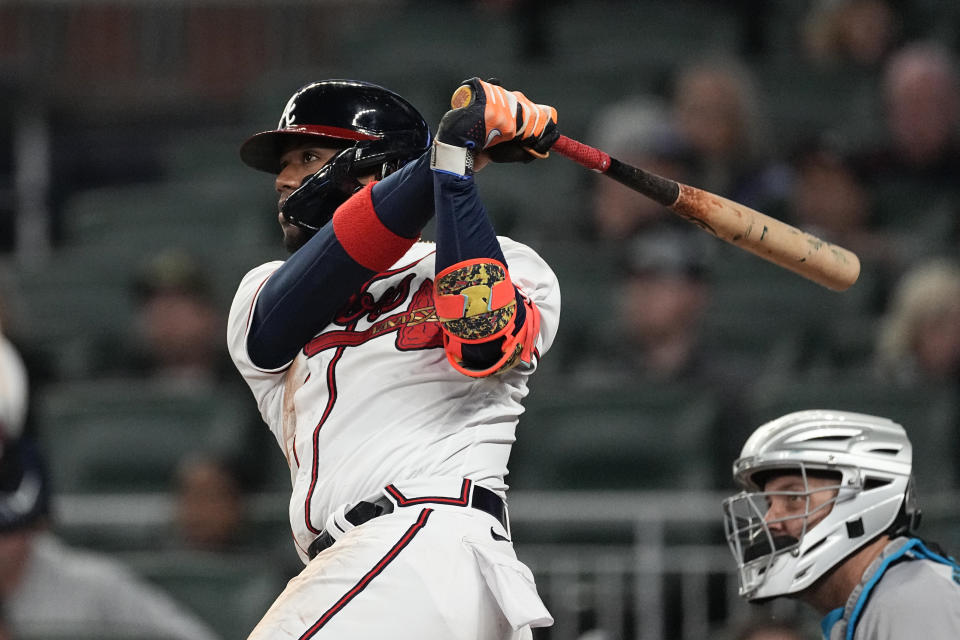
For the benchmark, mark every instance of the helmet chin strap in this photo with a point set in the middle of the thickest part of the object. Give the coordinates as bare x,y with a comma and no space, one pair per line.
909,515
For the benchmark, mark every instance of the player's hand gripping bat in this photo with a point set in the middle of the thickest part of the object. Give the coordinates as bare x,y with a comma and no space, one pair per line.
771,239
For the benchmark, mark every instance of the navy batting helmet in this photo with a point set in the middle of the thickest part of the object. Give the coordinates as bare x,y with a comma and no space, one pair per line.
385,129
377,130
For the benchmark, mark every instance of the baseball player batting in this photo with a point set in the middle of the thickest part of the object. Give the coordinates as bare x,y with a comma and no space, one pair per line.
391,370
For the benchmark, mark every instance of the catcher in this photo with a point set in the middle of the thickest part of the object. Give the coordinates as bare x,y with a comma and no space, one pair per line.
827,516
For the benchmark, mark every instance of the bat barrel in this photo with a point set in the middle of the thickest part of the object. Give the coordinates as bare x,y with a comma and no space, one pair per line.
773,240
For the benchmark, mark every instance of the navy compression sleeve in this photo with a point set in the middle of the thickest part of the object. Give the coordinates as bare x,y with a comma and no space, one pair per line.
463,229
464,232
303,295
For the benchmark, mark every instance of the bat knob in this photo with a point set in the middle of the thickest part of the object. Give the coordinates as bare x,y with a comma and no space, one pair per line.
462,97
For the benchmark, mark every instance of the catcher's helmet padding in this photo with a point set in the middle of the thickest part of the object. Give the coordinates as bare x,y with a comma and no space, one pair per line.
386,130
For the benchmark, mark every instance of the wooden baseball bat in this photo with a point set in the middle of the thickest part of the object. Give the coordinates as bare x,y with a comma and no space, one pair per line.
773,240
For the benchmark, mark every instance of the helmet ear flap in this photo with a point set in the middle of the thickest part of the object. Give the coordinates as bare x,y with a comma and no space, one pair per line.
312,204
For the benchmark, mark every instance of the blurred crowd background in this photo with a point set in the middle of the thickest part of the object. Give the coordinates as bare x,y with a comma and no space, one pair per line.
127,220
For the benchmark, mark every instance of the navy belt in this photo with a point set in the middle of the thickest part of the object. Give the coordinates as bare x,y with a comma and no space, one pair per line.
481,498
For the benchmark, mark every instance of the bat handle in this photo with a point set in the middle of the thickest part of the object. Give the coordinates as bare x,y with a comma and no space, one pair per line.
583,154
663,190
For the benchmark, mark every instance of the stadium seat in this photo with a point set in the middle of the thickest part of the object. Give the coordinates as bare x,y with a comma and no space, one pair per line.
230,592
777,316
122,435
588,282
806,100
145,218
631,436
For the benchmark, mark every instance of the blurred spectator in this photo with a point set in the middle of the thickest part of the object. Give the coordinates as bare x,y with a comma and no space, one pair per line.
850,32
830,199
637,131
914,164
919,338
922,94
773,629
657,335
211,515
179,342
660,304
47,588
179,333
210,505
717,110
50,588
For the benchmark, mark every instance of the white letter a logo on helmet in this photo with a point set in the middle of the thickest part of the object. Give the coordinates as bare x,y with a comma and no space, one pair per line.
288,117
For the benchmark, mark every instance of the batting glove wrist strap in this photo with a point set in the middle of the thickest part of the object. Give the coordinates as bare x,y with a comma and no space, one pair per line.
448,158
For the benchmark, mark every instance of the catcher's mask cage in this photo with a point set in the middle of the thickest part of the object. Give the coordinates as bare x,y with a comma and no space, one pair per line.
378,131
869,459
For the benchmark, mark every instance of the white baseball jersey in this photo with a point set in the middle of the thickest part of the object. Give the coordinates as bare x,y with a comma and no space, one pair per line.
371,400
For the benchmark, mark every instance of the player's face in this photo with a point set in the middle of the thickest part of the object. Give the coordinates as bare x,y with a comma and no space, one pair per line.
792,498
296,164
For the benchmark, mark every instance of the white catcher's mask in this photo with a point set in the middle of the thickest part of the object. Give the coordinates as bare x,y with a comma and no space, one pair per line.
868,461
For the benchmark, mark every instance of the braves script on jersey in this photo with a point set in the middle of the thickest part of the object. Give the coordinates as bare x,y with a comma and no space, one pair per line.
372,400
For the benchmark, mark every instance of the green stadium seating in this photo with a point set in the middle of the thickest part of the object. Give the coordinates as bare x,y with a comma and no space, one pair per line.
230,592
124,435
193,213
627,436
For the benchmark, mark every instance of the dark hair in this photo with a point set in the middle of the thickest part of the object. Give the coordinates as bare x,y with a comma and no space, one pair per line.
171,270
667,251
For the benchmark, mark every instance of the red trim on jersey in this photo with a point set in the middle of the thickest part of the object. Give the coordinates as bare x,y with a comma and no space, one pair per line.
332,393
414,529
296,456
314,469
403,501
364,236
253,302
297,544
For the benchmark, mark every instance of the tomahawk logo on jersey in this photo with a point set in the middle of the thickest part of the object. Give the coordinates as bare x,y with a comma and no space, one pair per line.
415,326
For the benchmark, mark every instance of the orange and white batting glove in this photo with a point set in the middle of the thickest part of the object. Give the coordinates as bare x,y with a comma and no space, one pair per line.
485,115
